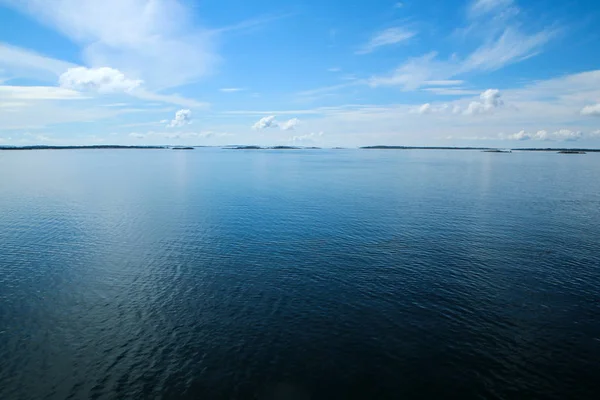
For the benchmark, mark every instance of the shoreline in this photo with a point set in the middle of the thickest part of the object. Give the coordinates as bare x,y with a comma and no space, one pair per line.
255,147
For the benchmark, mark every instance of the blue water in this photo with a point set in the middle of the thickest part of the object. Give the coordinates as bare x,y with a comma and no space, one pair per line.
310,274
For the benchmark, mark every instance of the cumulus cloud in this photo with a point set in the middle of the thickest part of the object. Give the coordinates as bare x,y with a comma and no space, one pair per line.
182,118
593,110
101,80
266,122
522,135
490,100
568,135
424,109
290,124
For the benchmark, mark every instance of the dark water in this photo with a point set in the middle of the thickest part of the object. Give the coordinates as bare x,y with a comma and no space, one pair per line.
216,274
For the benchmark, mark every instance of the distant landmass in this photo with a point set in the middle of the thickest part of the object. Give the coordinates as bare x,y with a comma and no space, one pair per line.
381,147
108,146
563,151
255,147
270,148
485,149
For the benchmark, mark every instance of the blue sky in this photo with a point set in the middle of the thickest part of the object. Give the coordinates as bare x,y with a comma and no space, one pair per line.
329,73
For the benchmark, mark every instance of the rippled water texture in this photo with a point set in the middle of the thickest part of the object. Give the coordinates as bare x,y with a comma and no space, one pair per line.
317,274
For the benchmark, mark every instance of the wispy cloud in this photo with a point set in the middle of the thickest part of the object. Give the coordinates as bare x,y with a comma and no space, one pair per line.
308,138
38,93
386,37
478,8
231,90
510,47
20,62
447,82
252,23
178,135
155,41
451,91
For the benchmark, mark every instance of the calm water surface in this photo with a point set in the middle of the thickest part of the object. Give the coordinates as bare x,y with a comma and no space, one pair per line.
323,274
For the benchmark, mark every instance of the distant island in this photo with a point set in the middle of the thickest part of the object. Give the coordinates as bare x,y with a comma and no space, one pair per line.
270,148
563,150
381,147
108,146
484,149
256,147
242,147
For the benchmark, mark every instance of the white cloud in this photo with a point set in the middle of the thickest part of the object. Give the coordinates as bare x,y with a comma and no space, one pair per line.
566,135
412,74
154,41
428,108
38,93
385,38
424,109
182,118
231,90
593,110
101,80
334,69
490,100
270,122
309,138
265,122
503,38
480,7
290,124
451,91
144,94
24,63
398,5
510,47
522,135
178,135
446,82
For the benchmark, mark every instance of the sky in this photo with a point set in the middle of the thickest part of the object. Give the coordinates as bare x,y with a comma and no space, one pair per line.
486,73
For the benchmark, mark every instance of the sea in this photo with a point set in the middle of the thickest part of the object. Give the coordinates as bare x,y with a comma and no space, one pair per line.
299,274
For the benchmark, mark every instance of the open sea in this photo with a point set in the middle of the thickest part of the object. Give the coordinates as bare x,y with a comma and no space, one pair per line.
299,274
